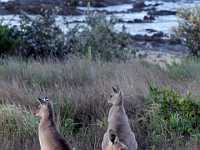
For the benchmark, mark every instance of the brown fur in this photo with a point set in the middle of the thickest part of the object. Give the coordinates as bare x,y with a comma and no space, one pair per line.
49,137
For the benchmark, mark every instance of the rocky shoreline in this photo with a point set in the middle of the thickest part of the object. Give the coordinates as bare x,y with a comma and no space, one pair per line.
65,8
103,3
35,7
154,39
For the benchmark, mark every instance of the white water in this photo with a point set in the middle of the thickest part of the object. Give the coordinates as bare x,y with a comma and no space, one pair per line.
130,16
174,6
162,23
5,0
117,8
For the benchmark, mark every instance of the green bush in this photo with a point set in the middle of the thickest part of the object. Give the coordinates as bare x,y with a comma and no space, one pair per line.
172,118
72,3
8,40
189,29
41,36
99,39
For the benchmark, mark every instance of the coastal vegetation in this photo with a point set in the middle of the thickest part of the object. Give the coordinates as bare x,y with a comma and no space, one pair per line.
189,29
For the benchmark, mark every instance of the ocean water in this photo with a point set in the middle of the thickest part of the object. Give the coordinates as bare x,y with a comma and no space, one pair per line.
161,23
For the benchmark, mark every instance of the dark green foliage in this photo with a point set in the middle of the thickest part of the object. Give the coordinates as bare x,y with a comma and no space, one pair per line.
8,40
72,3
189,29
41,37
99,39
172,118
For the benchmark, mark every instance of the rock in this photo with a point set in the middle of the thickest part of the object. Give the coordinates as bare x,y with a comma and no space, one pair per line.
151,30
161,13
145,20
148,18
138,21
158,34
130,21
139,5
103,3
157,4
31,2
139,37
151,17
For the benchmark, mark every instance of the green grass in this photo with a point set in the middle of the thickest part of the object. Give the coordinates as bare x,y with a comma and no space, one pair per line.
17,121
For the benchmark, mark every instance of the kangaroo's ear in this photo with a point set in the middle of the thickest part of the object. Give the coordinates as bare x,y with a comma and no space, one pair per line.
116,89
112,136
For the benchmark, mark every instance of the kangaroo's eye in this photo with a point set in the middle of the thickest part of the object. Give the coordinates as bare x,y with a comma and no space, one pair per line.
111,96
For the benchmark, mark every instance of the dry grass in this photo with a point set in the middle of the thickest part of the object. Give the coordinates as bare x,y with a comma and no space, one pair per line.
79,90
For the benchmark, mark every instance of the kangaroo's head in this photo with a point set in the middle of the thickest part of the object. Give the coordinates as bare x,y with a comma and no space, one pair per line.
44,110
114,143
115,97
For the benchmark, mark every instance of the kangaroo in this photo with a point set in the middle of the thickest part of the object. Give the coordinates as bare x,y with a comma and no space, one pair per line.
114,143
49,137
119,123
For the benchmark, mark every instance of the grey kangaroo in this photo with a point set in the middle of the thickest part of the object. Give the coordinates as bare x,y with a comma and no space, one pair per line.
119,123
49,137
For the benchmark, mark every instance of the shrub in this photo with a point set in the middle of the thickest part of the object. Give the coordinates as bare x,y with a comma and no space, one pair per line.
41,36
172,118
72,3
99,39
189,29
8,40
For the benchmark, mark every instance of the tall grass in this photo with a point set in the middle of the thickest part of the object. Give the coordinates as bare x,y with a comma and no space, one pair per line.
79,91
188,69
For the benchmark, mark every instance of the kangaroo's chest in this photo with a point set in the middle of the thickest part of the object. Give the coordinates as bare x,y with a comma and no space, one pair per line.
46,140
118,121
117,114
